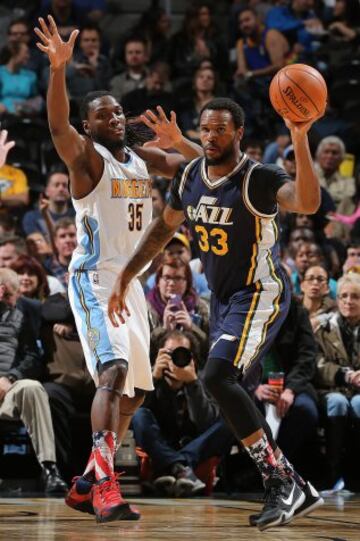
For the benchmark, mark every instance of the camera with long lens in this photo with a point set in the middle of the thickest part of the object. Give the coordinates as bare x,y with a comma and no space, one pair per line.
181,356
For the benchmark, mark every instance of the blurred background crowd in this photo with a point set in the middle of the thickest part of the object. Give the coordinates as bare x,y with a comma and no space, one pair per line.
180,55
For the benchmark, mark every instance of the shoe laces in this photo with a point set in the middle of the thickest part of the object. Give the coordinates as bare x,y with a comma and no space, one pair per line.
74,479
273,492
110,489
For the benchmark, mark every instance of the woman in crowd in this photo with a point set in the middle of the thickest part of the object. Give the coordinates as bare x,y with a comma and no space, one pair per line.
154,27
338,380
344,26
33,280
174,304
204,90
315,289
199,39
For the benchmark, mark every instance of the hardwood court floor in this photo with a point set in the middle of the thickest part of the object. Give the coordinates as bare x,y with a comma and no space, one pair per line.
37,519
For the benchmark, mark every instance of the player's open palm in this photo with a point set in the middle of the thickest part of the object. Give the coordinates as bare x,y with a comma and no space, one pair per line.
167,132
58,51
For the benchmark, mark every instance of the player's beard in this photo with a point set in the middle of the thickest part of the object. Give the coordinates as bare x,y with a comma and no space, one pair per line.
226,156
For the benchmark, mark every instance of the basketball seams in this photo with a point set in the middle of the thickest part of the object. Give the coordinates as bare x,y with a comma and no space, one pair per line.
302,90
285,102
315,75
304,80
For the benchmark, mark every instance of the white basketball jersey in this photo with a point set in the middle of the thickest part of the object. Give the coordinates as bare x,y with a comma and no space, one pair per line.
111,220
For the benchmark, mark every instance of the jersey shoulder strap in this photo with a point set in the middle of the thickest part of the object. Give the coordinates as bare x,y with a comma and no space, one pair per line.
185,175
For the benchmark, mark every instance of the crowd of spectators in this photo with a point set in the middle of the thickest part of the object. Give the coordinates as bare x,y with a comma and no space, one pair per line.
233,51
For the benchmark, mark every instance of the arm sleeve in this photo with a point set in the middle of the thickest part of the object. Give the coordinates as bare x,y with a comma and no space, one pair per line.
174,200
265,181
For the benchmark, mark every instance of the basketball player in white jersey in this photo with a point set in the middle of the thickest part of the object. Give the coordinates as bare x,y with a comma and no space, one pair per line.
111,192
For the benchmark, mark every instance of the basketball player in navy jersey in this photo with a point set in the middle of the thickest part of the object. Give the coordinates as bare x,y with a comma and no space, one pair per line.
230,203
111,192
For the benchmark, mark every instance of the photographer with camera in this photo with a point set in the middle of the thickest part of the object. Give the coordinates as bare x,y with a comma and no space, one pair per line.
179,426
174,304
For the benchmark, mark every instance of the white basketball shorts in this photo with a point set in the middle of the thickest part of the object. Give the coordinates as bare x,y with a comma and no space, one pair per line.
89,292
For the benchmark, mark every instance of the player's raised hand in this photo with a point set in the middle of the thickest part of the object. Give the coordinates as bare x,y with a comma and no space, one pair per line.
117,305
167,132
58,51
5,146
301,128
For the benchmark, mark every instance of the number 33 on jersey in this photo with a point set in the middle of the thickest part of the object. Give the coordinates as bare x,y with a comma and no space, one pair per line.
233,221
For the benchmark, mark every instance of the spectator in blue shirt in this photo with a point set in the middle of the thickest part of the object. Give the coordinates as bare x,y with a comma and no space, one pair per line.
297,22
18,86
59,206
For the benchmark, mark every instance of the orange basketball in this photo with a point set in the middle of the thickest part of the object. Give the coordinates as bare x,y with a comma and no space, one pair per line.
298,92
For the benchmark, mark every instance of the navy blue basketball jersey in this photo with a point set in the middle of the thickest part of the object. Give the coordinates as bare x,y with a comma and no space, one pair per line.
233,221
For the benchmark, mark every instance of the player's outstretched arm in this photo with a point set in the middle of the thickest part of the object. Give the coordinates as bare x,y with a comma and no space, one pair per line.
167,136
66,139
157,235
303,195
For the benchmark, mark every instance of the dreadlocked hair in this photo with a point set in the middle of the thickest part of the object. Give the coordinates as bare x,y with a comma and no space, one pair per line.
136,133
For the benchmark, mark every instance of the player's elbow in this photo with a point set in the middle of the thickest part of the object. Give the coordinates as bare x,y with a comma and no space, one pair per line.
311,206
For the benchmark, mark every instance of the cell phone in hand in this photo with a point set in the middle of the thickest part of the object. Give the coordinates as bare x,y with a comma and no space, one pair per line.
175,303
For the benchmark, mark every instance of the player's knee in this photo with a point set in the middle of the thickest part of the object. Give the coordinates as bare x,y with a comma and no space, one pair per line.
113,373
29,387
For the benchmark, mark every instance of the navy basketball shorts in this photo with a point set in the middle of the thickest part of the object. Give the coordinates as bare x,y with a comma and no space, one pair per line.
243,328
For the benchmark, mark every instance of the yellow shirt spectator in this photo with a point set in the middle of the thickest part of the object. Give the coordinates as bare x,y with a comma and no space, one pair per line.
14,189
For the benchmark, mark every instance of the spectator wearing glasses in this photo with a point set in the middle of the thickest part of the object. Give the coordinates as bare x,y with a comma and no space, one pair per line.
174,304
179,246
308,254
338,379
315,291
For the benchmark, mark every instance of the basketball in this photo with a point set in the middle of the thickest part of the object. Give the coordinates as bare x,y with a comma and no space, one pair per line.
298,92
